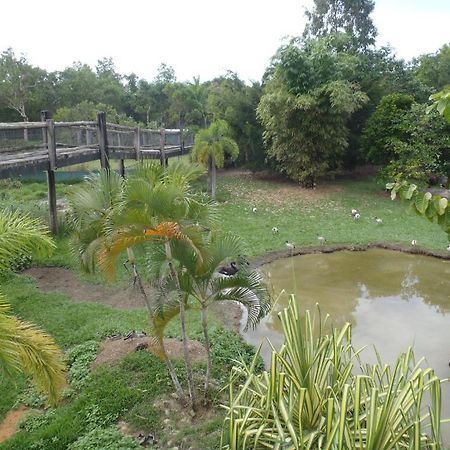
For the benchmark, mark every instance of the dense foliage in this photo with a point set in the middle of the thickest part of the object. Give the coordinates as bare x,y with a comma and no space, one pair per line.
406,141
305,108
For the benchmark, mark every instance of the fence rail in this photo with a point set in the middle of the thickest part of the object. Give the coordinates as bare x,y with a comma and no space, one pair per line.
31,147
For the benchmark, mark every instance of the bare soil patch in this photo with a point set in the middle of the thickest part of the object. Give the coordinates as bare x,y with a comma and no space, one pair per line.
11,422
64,281
113,350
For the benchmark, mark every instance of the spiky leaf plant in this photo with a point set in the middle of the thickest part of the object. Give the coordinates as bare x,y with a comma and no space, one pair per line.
317,394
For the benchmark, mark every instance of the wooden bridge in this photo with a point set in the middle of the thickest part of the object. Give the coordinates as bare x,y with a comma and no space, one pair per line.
32,147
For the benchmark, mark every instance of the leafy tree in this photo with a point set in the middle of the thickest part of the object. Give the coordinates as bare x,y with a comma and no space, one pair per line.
349,16
409,143
23,347
210,148
318,394
232,100
434,69
306,106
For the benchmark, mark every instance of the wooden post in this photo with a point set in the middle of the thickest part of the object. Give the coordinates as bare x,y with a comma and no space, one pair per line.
88,137
182,133
102,140
137,143
122,168
44,117
50,141
162,143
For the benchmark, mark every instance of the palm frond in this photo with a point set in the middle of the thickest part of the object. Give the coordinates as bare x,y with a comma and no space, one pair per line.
20,234
25,348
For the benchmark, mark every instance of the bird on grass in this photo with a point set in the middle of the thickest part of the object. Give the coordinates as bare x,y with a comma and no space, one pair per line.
378,220
448,248
254,209
321,239
413,242
289,245
354,211
275,230
357,216
230,270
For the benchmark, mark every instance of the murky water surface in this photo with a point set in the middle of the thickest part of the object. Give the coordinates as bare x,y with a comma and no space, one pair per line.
392,299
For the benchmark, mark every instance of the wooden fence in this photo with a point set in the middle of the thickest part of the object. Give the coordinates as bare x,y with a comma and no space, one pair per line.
31,147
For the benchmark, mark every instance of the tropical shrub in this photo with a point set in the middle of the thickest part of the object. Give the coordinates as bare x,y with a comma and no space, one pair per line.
106,439
406,141
317,394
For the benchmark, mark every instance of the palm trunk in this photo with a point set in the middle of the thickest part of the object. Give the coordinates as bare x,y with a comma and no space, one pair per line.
182,300
207,346
213,178
170,368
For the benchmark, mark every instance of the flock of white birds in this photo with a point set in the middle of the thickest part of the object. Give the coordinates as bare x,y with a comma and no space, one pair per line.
322,240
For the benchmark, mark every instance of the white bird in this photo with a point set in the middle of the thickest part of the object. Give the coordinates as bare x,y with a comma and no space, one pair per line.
413,242
289,245
275,230
321,239
357,216
448,248
378,220
254,209
354,211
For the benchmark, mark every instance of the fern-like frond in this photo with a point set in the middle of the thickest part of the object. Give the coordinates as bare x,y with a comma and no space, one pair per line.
25,348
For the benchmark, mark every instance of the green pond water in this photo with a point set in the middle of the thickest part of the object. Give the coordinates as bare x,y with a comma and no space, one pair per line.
393,300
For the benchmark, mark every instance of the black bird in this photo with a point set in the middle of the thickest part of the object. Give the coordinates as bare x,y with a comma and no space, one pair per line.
229,270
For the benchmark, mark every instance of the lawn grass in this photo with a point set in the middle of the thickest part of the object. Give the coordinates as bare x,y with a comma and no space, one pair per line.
129,388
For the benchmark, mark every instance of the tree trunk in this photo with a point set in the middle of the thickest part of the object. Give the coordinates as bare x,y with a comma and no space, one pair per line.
210,174
213,178
182,300
170,368
207,346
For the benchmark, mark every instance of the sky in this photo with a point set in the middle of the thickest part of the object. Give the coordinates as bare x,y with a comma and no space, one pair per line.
196,37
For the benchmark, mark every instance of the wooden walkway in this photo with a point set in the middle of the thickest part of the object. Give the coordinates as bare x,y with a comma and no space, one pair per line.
83,142
32,147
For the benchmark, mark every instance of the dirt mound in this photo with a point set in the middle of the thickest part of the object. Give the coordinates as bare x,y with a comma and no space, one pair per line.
64,281
112,350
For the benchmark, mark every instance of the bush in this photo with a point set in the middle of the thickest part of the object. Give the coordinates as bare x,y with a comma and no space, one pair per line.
105,439
406,141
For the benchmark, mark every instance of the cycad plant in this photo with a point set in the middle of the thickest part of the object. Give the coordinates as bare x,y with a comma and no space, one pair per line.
318,395
23,347
199,280
211,146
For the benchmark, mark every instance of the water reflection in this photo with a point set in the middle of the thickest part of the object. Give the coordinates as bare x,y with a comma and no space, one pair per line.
393,300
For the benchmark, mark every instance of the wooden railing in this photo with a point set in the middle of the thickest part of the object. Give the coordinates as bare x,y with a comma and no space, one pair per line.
62,144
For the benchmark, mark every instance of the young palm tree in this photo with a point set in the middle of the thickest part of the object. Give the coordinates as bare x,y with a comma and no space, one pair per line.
155,204
23,347
199,279
210,148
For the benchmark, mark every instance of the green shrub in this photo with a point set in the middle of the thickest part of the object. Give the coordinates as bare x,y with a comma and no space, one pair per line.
79,358
105,439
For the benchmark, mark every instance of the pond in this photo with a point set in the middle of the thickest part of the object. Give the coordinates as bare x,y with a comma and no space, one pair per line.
393,300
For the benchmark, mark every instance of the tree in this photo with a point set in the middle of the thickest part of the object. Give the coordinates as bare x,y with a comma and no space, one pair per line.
349,16
23,346
434,69
306,106
155,204
318,394
199,280
409,143
210,148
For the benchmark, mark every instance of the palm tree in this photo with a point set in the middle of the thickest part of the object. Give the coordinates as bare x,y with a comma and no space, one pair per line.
23,347
210,148
199,279
154,204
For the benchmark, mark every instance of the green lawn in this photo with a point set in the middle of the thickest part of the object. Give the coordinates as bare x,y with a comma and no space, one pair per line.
128,389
